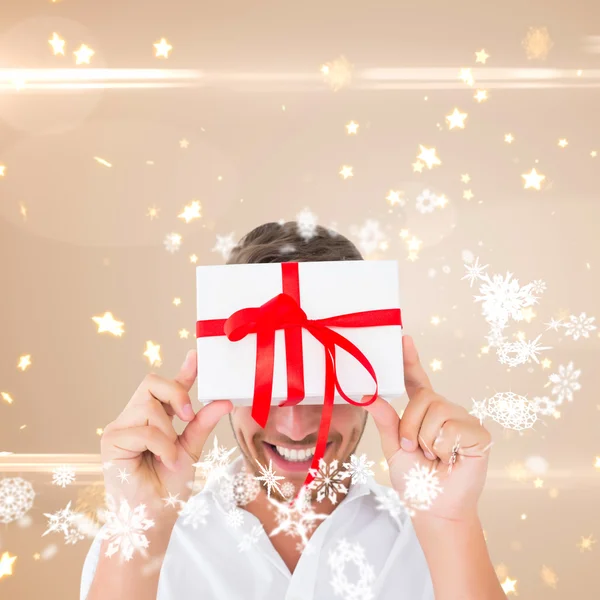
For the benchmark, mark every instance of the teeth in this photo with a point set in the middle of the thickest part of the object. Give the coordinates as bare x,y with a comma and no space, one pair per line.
295,455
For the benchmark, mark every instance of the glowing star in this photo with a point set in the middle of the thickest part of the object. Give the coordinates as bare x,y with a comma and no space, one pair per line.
442,201
563,143
152,212
394,197
176,301
481,95
466,76
597,463
533,179
6,564
225,244
549,577
108,323
352,128
546,363
163,48
153,353
183,143
83,55
538,483
537,43
508,586
2,169
184,334
456,119
481,56
436,365
346,172
428,156
172,242
465,178
191,211
509,138
24,362
586,543
418,167
58,44
102,161
468,194
337,73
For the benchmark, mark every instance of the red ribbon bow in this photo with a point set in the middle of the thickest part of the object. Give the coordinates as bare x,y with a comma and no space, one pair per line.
284,312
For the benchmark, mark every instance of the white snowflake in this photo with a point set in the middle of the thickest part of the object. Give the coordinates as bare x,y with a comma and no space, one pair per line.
512,411
370,237
16,498
427,202
359,468
345,553
579,326
250,539
554,324
519,352
306,223
172,242
328,480
296,518
565,383
503,298
63,475
224,244
538,286
195,511
234,518
66,522
269,478
288,489
240,489
391,501
479,410
544,405
125,528
422,487
215,463
474,272
495,338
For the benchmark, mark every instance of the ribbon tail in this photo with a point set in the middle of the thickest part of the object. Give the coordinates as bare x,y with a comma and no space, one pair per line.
263,376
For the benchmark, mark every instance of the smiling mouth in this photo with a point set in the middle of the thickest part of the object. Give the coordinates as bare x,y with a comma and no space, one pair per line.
291,459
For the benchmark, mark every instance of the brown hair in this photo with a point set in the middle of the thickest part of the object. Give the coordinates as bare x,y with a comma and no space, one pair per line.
289,242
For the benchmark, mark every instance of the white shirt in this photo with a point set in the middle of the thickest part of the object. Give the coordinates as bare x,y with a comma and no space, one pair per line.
207,563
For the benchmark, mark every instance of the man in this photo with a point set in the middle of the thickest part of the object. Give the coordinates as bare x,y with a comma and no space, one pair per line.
358,544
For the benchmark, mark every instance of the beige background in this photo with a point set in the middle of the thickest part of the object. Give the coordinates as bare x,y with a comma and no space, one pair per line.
86,244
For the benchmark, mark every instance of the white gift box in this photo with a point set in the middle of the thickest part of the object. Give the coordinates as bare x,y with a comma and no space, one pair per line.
226,369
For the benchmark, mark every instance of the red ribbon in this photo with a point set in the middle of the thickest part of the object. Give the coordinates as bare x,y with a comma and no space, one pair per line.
284,312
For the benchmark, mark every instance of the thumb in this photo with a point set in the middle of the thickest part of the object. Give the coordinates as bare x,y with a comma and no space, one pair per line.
196,432
387,422
188,370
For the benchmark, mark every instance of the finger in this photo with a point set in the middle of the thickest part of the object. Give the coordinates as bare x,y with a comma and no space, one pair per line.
439,412
120,444
465,438
387,422
415,376
172,393
413,416
152,413
197,431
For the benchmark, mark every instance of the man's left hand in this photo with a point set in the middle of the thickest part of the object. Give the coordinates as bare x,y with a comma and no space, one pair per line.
435,434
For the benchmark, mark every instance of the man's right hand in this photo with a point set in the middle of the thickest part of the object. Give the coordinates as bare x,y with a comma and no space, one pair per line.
148,460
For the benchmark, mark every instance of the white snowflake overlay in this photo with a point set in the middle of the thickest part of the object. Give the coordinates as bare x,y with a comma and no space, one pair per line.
579,326
194,511
565,383
390,501
422,487
328,480
216,461
269,479
344,553
124,528
63,475
16,498
512,411
359,468
67,522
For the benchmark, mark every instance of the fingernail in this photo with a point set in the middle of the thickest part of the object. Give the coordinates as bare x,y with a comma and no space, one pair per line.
407,445
188,411
428,455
